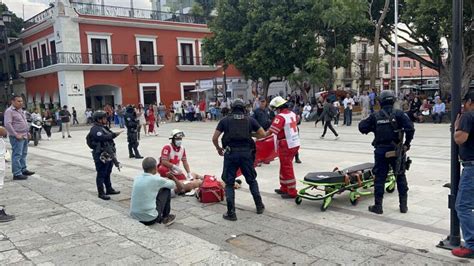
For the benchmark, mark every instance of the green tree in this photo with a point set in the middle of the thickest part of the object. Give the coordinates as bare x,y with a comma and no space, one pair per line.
428,23
14,28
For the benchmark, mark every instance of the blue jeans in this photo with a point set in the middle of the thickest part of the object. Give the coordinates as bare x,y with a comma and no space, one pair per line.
19,152
232,162
465,206
347,117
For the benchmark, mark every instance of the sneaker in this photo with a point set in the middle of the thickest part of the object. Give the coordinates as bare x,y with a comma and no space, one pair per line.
287,196
297,161
260,209
322,137
5,217
230,217
279,191
20,177
131,156
69,136
463,252
336,138
112,192
139,157
169,220
377,209
63,137
49,138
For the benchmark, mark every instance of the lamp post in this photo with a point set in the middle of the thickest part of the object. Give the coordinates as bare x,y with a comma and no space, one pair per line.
5,20
421,78
224,79
136,70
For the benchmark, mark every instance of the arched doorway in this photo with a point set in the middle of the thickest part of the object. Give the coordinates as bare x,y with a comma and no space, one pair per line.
98,96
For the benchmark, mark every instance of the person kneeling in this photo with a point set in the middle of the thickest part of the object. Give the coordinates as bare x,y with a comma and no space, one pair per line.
151,195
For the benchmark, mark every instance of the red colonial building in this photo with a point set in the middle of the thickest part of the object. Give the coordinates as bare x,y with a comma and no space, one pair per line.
87,55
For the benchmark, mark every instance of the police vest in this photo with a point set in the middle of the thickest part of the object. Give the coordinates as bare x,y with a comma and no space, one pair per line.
386,128
291,130
175,156
239,132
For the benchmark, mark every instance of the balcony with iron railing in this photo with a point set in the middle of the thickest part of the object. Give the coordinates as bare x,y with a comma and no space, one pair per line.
127,12
43,16
193,63
74,61
149,62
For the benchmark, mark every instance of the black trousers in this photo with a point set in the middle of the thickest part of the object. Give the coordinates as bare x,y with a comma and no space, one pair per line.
381,169
163,206
103,174
48,130
327,125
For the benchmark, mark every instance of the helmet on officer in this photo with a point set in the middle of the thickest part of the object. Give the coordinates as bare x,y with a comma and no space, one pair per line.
278,103
387,97
99,115
238,104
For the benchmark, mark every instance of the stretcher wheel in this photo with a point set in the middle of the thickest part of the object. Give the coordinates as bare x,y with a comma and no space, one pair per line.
390,189
326,203
298,200
355,201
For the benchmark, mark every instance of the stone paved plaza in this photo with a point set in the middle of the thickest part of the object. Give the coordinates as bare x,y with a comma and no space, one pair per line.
60,220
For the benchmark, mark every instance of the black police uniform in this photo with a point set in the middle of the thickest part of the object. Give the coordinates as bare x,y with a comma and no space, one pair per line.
132,124
263,117
240,153
383,124
103,141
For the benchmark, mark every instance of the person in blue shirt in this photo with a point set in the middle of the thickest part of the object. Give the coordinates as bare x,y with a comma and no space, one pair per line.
151,195
439,109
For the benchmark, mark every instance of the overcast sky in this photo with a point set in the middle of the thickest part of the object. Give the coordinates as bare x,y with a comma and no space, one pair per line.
33,7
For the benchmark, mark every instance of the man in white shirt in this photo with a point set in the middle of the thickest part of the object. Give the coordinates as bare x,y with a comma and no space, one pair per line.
348,105
365,103
306,111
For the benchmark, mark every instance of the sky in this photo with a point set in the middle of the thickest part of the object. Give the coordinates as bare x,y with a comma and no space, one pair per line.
33,7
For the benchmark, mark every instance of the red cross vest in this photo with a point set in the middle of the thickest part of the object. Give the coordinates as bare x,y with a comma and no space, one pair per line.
174,156
291,130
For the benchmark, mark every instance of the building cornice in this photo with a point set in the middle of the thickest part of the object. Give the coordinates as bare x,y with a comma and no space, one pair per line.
38,28
136,24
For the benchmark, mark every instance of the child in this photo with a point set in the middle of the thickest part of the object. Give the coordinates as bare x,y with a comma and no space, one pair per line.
3,216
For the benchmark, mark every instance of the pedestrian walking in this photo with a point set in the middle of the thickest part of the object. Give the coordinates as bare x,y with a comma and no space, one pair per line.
238,149
141,119
388,126
74,116
319,111
329,111
47,122
151,121
132,123
121,115
17,128
365,104
65,117
464,137
58,119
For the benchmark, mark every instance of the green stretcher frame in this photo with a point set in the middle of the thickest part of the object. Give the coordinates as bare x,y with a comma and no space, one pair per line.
331,189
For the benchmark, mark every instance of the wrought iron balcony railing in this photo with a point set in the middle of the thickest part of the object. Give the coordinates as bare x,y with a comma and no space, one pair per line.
74,58
126,12
191,61
46,14
148,60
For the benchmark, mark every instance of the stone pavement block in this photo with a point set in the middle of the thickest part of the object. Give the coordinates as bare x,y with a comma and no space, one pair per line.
72,227
194,222
366,247
225,258
10,256
325,262
157,260
417,235
32,253
388,237
334,253
422,219
6,244
250,243
130,260
288,256
124,225
199,211
375,225
194,257
91,210
22,263
412,259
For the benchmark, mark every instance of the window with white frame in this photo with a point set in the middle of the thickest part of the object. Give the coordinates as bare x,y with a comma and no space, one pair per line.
406,64
186,48
146,50
100,48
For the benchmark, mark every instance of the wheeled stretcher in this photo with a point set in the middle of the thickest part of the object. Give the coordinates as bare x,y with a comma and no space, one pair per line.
355,179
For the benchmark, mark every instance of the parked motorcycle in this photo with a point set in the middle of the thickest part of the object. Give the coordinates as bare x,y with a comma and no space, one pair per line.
35,130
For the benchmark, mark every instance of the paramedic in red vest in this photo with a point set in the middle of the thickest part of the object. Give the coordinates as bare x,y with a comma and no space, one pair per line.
171,155
284,126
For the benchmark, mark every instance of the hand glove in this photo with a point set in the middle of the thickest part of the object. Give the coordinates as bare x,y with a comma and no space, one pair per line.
175,169
190,176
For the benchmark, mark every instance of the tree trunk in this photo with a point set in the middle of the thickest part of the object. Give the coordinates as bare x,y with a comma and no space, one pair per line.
374,64
265,86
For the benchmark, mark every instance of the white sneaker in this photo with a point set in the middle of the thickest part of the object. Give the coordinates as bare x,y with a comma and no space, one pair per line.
322,137
336,138
49,138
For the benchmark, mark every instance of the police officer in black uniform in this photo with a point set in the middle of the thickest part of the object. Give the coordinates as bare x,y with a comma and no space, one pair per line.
132,124
388,126
238,149
101,140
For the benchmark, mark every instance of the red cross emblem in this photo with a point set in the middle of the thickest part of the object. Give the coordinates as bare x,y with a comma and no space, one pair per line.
176,159
293,125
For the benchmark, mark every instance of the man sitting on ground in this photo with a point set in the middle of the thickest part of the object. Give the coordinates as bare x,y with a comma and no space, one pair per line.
151,195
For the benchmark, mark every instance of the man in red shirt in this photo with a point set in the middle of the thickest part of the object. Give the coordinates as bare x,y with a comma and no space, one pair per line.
202,110
284,126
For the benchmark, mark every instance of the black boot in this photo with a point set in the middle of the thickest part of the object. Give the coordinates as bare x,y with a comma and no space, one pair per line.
259,204
230,215
403,203
377,207
130,152
297,158
137,154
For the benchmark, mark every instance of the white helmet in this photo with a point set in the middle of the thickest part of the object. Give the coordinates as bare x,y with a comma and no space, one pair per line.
277,102
176,133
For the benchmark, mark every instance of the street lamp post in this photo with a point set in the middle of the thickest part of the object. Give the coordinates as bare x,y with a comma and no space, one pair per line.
136,70
454,238
5,20
421,78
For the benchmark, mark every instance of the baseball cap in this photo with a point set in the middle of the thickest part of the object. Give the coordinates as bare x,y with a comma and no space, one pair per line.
261,99
469,95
